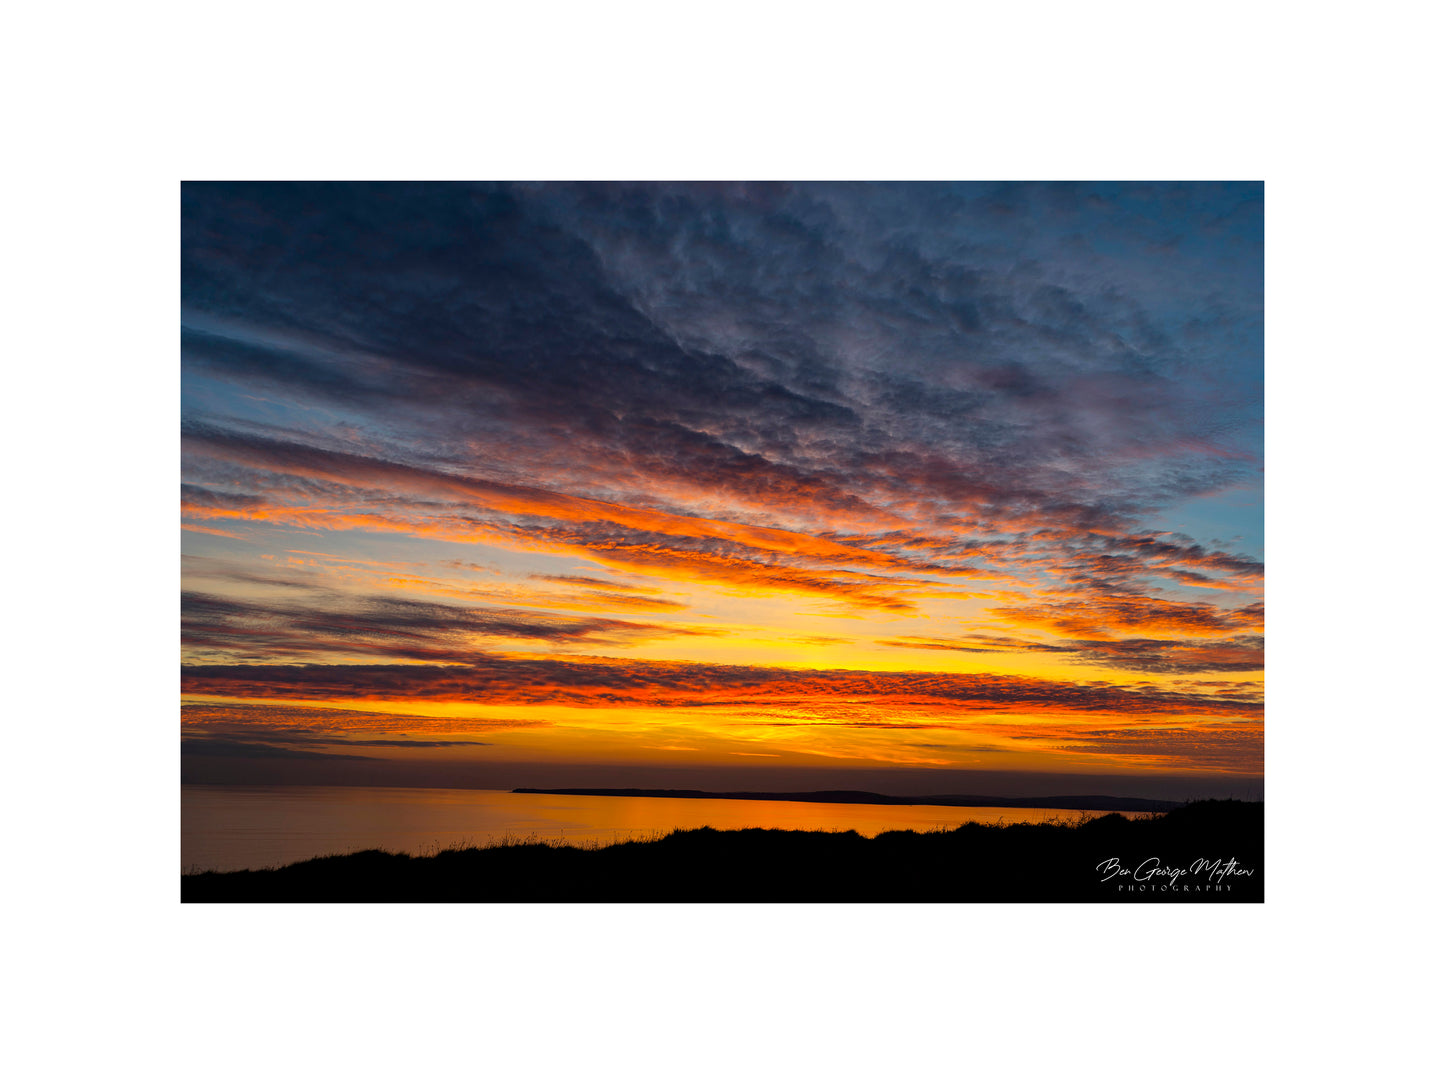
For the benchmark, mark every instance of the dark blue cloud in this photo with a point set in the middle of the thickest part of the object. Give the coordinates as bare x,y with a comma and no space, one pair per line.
1093,339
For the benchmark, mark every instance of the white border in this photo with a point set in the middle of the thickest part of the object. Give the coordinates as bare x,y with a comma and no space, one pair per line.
114,105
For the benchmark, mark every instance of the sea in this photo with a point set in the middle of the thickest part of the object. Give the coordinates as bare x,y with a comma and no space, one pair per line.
259,827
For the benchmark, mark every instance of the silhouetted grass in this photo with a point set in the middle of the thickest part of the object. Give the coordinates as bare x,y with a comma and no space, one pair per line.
1054,861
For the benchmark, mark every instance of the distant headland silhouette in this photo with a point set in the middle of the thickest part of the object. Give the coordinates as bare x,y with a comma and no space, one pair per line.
1090,802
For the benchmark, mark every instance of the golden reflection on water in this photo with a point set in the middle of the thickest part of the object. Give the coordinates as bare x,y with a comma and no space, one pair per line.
241,827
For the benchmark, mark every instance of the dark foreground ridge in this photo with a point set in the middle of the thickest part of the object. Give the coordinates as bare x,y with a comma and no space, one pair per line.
864,797
1205,852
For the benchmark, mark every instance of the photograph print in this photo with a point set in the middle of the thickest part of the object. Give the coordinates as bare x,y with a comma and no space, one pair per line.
817,542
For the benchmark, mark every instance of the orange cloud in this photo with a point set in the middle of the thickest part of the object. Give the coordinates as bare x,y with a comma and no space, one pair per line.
600,681
1097,616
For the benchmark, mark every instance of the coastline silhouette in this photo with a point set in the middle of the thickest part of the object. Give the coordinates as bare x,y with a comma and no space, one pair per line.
1210,851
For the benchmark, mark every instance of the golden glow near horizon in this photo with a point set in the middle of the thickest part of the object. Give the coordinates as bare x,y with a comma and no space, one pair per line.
802,684
583,487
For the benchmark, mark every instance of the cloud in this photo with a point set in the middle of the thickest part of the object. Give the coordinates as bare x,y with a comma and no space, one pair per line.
223,747
976,644
1143,655
630,537
367,473
382,625
309,723
1096,616
587,581
1233,748
1241,653
594,681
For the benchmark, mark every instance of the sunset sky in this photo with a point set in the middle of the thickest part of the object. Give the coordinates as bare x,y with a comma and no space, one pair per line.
932,488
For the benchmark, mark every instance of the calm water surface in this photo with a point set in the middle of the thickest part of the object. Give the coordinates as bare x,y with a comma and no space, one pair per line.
252,827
